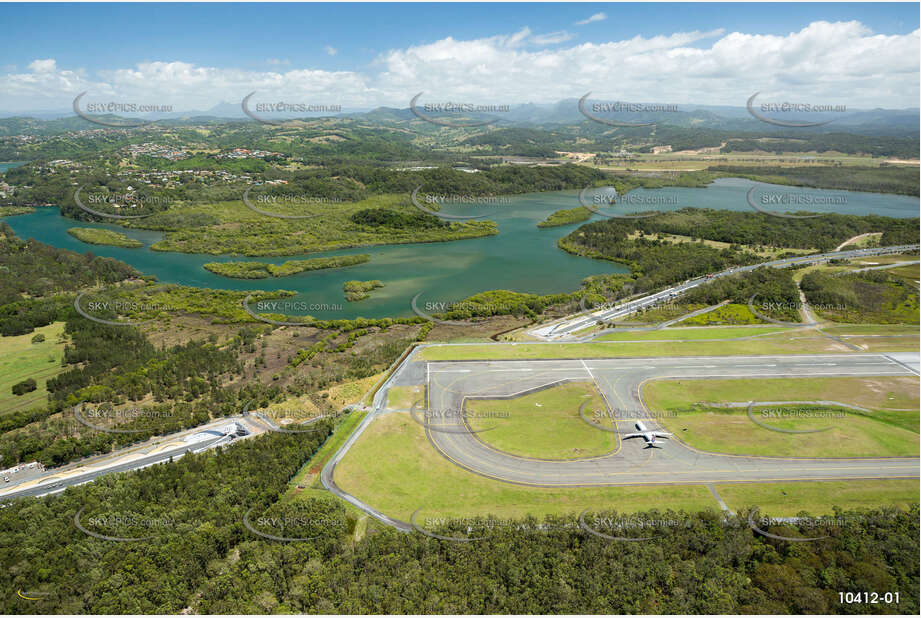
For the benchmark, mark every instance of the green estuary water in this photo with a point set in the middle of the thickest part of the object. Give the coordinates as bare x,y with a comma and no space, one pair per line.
521,258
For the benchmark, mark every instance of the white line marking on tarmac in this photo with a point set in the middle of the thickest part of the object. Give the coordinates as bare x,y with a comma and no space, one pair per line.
812,373
622,367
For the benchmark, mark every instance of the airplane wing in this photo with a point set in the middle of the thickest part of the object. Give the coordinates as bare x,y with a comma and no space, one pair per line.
632,435
661,434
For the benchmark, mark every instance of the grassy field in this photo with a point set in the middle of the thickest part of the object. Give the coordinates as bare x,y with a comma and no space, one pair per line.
818,497
306,485
869,240
765,252
545,424
392,467
308,476
720,430
350,393
686,161
861,299
687,333
909,271
885,343
637,348
403,397
293,409
879,260
873,329
845,432
648,343
730,314
892,392
21,359
878,337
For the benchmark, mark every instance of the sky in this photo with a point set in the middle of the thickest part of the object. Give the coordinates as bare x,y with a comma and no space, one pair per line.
364,55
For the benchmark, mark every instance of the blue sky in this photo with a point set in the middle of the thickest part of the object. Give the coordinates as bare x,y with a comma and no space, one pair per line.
106,36
117,48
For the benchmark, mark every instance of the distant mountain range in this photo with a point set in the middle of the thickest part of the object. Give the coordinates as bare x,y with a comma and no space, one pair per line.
903,122
566,112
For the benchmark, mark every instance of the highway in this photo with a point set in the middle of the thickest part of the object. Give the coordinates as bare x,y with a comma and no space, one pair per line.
562,330
58,479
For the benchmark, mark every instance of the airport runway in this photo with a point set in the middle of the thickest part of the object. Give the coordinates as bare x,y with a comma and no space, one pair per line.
450,384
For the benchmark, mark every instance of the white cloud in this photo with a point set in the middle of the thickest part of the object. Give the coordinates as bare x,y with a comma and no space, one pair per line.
824,62
332,51
43,66
551,38
593,18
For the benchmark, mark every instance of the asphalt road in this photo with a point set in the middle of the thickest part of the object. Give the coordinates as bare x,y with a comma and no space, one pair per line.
619,380
564,329
55,481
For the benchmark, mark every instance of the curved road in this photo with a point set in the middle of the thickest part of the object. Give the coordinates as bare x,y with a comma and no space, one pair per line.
620,380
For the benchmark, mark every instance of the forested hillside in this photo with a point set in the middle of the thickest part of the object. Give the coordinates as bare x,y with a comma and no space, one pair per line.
899,180
202,557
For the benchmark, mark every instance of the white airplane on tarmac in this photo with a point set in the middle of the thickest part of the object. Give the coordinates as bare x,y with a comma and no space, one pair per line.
649,436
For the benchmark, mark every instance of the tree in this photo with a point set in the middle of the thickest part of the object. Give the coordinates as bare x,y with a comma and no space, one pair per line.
26,386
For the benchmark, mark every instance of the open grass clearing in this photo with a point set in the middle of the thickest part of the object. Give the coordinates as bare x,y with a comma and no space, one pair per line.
879,338
834,431
845,433
640,347
909,271
403,397
766,252
292,410
350,393
393,468
870,239
21,359
892,392
308,476
685,161
880,260
545,424
818,497
695,332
